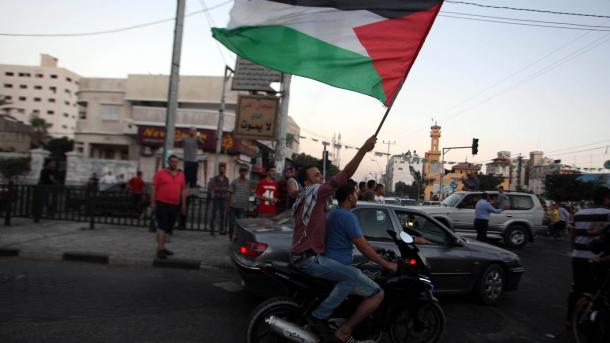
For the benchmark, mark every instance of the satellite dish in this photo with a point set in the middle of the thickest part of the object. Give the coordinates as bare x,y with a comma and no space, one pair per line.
607,164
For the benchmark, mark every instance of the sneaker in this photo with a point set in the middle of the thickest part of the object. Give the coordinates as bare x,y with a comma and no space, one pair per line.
161,254
168,252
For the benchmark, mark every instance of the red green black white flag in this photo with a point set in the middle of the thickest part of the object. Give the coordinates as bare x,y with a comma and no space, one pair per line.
367,46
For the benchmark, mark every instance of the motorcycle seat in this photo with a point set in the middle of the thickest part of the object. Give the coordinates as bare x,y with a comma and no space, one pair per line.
295,274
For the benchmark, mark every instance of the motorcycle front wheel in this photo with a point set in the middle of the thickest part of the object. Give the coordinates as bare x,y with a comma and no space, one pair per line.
424,324
282,307
590,325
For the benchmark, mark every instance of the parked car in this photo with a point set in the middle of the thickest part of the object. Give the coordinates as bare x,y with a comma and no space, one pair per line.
392,201
516,225
459,265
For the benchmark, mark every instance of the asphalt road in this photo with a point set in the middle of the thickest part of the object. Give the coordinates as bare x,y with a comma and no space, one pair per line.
43,301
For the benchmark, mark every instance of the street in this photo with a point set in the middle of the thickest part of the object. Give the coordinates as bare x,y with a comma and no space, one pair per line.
44,301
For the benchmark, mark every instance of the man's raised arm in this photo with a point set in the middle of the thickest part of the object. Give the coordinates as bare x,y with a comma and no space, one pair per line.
352,166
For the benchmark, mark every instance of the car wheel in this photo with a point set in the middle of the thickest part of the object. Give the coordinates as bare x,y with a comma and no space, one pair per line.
516,236
491,285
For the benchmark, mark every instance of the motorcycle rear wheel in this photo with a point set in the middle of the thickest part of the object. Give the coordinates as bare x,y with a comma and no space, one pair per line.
424,325
590,325
282,307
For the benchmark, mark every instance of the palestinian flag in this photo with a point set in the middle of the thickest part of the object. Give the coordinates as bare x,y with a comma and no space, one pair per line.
367,46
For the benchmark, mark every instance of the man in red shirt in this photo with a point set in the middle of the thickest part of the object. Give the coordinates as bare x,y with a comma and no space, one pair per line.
267,193
135,186
168,192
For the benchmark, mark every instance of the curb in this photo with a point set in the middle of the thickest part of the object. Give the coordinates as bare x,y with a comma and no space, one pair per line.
177,263
85,257
9,252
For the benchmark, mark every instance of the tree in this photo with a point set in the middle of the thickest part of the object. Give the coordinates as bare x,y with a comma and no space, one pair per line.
489,182
402,189
12,167
302,160
59,147
40,133
560,187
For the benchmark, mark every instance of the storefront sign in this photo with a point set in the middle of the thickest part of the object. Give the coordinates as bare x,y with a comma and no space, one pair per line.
230,144
250,76
256,117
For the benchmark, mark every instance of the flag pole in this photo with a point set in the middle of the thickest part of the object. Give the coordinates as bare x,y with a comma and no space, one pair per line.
402,82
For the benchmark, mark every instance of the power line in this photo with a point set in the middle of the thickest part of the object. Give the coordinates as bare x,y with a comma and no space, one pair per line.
527,9
525,20
525,24
211,24
127,28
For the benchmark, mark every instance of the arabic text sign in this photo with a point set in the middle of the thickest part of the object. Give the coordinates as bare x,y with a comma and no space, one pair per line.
256,117
250,76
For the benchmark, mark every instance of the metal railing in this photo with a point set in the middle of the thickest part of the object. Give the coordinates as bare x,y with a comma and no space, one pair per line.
87,204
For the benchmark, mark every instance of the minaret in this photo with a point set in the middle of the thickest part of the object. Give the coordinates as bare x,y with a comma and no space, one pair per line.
434,155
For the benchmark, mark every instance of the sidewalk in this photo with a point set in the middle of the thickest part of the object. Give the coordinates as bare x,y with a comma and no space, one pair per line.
110,244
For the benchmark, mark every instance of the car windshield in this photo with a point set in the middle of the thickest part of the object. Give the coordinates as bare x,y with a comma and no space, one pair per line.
453,199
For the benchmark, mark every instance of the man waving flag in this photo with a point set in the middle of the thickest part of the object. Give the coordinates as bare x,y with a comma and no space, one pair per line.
367,46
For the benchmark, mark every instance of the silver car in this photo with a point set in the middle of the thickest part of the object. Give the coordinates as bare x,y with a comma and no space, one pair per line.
459,265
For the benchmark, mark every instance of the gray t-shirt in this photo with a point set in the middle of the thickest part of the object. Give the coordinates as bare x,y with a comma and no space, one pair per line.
189,146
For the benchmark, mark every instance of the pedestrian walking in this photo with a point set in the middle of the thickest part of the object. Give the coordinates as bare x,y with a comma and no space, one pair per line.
136,188
219,188
168,192
588,223
49,182
240,190
267,192
482,211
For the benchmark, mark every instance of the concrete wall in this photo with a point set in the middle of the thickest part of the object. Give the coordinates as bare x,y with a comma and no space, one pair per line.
14,136
79,168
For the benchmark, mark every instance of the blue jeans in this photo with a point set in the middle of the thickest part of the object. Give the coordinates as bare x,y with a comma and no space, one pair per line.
349,280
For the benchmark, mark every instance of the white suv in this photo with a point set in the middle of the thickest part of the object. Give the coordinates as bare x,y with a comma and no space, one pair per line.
516,225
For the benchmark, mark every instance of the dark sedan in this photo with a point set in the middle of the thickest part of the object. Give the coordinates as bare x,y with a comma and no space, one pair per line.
459,265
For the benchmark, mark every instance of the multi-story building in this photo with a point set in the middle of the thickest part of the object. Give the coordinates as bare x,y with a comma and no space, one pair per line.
501,167
401,168
124,119
46,91
538,169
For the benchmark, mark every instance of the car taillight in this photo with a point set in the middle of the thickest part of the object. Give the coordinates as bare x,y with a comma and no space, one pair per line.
412,262
252,249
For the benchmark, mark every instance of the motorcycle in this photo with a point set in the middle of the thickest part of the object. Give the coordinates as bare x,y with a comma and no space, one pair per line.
408,313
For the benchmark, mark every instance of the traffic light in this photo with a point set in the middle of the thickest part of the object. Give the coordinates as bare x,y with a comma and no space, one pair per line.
475,146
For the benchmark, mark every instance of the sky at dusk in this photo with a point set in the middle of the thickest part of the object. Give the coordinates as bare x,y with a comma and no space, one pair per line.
516,88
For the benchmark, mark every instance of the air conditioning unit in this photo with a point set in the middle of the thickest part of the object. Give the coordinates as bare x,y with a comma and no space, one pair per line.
146,151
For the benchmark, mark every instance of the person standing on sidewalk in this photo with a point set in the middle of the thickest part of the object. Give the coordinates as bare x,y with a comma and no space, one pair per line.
219,187
190,145
267,193
107,181
482,211
168,192
136,187
48,182
240,190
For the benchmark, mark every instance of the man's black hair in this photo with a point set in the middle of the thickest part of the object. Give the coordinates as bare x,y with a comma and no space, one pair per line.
361,184
600,194
302,174
269,167
484,196
370,184
352,182
172,156
344,191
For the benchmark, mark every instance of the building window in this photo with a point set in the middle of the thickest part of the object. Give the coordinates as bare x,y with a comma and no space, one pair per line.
22,98
9,73
64,127
68,91
66,115
40,76
82,110
50,113
38,87
68,79
23,86
53,76
8,85
37,99
49,125
53,89
36,112
8,97
111,112
67,103
25,74
51,100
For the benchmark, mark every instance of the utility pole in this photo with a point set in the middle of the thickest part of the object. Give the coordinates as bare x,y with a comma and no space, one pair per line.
324,158
519,163
221,117
172,96
280,148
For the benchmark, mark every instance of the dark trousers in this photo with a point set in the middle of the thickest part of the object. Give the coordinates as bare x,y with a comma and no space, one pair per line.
583,281
481,226
557,228
218,205
166,216
236,213
190,173
182,219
